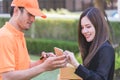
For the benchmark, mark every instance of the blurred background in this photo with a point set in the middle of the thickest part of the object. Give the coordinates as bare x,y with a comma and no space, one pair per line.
60,28
71,5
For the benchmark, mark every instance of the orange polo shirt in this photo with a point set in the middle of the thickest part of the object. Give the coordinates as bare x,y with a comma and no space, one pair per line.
13,51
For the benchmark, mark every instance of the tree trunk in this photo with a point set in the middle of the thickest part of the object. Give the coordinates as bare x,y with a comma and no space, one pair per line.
100,5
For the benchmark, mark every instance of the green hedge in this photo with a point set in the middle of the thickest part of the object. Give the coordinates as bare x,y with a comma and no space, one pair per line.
61,29
115,31
36,46
2,21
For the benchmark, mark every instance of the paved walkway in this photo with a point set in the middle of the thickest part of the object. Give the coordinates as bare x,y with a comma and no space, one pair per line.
5,15
50,16
68,16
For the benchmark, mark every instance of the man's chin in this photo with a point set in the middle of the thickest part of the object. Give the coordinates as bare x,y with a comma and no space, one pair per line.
26,29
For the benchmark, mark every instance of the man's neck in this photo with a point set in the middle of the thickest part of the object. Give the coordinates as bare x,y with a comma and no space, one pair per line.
13,22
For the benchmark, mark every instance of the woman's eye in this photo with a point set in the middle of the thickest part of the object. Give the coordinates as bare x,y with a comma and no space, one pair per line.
88,26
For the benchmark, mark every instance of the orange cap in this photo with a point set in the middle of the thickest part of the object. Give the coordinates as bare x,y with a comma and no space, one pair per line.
30,5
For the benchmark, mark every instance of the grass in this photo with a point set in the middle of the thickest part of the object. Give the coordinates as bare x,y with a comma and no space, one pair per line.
52,75
49,75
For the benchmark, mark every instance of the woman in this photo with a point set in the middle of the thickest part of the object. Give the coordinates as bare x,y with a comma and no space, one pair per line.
95,47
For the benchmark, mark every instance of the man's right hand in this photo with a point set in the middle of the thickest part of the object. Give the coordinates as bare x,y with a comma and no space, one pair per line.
55,62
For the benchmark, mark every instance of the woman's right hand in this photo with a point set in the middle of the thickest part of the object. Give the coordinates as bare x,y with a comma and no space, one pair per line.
71,58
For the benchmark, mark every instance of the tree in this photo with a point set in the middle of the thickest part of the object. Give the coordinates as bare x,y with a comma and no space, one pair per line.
100,5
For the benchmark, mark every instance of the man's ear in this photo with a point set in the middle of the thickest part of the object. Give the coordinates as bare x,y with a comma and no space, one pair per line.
15,11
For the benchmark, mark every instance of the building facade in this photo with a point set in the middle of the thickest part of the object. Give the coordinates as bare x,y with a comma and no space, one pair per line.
71,5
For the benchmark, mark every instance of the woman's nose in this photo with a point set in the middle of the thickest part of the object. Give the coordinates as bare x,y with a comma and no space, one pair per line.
84,30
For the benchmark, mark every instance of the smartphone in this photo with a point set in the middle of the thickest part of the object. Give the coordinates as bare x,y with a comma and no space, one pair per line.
58,51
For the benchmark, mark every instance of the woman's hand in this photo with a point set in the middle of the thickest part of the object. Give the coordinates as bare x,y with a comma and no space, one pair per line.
71,58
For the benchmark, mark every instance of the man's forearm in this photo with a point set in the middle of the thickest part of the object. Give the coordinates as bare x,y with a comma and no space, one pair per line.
23,74
35,63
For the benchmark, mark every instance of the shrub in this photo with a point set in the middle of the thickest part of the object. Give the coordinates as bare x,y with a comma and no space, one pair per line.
36,46
60,29
2,21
